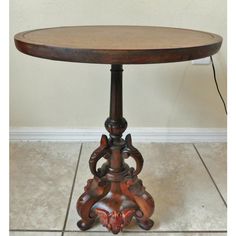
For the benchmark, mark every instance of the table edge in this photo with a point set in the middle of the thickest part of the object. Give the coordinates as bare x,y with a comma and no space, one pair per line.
97,56
117,56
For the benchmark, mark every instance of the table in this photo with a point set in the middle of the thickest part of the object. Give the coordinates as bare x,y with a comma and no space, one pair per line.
115,194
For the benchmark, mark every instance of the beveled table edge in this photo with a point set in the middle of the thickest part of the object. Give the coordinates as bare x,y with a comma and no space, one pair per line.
117,56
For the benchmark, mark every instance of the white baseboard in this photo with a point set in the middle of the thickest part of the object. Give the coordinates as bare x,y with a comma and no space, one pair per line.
145,134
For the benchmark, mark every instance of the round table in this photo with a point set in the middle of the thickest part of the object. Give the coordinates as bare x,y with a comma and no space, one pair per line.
115,194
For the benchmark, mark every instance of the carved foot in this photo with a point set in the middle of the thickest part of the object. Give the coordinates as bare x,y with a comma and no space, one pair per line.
85,225
95,190
145,205
145,224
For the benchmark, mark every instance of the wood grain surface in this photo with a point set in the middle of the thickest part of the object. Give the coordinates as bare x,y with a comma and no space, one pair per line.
118,44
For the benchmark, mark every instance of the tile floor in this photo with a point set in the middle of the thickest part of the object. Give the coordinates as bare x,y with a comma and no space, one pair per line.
187,182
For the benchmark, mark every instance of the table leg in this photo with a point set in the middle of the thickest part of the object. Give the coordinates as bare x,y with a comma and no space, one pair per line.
115,194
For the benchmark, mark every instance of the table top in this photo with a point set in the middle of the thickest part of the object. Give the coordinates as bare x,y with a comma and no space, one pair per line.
118,44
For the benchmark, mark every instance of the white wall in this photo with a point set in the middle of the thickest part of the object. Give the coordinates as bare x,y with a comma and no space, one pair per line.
46,93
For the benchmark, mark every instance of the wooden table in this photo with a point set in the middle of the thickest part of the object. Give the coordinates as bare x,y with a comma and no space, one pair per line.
115,194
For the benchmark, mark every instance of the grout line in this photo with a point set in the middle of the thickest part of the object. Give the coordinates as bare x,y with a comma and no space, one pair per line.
178,231
34,230
210,175
150,232
156,231
72,189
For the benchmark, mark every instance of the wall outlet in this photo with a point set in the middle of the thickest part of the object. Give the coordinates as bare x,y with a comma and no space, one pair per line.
202,61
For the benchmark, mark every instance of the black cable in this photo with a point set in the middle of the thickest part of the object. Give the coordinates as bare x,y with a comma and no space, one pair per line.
217,87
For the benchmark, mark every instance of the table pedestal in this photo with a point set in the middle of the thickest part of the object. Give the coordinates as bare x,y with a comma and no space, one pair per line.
115,194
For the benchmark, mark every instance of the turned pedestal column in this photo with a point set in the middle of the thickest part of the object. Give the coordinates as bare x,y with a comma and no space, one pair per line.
115,194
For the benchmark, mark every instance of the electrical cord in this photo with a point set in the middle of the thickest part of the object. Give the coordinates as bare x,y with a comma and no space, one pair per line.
217,87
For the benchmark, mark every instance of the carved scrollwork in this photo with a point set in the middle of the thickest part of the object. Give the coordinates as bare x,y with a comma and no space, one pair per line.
131,151
136,191
136,187
115,221
102,151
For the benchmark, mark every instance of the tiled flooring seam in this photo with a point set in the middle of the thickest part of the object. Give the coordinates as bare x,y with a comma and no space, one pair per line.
176,231
36,230
209,173
72,189
142,232
179,179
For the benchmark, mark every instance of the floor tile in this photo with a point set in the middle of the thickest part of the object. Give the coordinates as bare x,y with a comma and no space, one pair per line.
83,174
185,197
144,234
40,183
24,233
214,156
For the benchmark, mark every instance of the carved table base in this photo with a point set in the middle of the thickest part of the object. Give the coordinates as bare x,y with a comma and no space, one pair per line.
115,194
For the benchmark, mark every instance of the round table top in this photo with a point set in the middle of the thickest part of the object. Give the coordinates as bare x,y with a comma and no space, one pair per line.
118,44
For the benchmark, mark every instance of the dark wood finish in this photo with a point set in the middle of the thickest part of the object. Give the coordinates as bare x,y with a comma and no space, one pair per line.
115,195
118,44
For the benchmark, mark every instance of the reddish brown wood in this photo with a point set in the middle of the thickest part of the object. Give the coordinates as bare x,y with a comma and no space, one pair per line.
115,220
115,195
118,44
